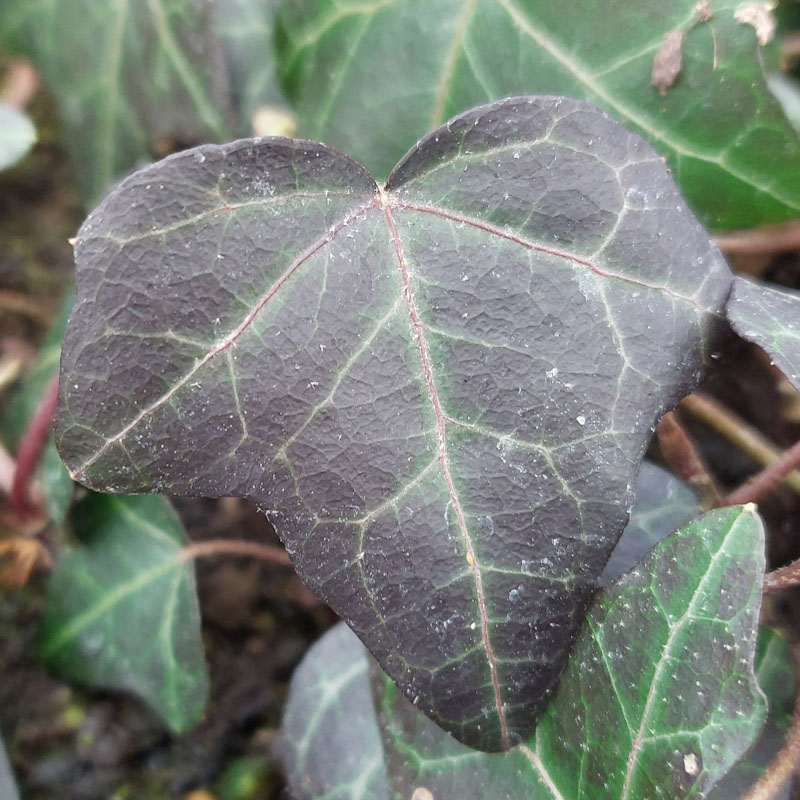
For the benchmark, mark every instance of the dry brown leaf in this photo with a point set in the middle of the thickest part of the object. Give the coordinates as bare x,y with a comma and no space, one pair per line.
759,16
668,61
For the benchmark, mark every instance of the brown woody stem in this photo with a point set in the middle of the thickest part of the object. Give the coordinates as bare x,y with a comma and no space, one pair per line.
744,436
768,239
765,481
783,578
681,454
236,547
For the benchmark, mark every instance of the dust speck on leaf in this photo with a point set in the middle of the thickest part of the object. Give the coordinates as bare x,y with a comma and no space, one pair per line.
421,793
668,61
760,17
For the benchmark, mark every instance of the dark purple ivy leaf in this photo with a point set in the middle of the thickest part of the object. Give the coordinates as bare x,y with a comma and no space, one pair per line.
768,315
439,391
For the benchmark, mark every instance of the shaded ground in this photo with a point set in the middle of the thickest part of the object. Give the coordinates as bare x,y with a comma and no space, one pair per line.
258,621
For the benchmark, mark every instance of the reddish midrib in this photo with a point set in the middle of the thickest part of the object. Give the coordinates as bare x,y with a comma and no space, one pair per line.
454,216
442,453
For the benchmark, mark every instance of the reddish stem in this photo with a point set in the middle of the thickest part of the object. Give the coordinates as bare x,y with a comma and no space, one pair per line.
783,578
684,459
765,481
237,547
29,450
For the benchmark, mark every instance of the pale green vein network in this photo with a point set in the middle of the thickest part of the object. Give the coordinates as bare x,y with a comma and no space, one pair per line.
348,58
206,109
456,46
111,599
585,76
745,170
667,655
113,93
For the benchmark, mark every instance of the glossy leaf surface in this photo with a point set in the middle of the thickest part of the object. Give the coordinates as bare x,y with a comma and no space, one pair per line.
122,608
659,698
375,75
769,315
17,135
775,676
440,391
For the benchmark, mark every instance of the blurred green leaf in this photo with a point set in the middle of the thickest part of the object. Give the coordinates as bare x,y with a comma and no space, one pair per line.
136,78
245,31
122,607
124,75
8,786
775,675
371,77
787,89
51,474
17,135
659,698
331,739
768,315
663,504
243,779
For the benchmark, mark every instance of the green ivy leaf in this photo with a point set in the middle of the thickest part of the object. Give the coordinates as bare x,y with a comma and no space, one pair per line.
659,698
331,742
17,135
122,607
769,316
373,76
776,678
51,474
245,31
8,786
124,75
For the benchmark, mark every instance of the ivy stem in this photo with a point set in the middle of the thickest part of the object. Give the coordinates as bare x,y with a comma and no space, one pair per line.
767,239
681,454
787,760
236,547
30,448
782,578
752,490
747,438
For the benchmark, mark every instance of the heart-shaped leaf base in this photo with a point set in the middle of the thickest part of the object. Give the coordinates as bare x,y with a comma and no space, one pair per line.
440,391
